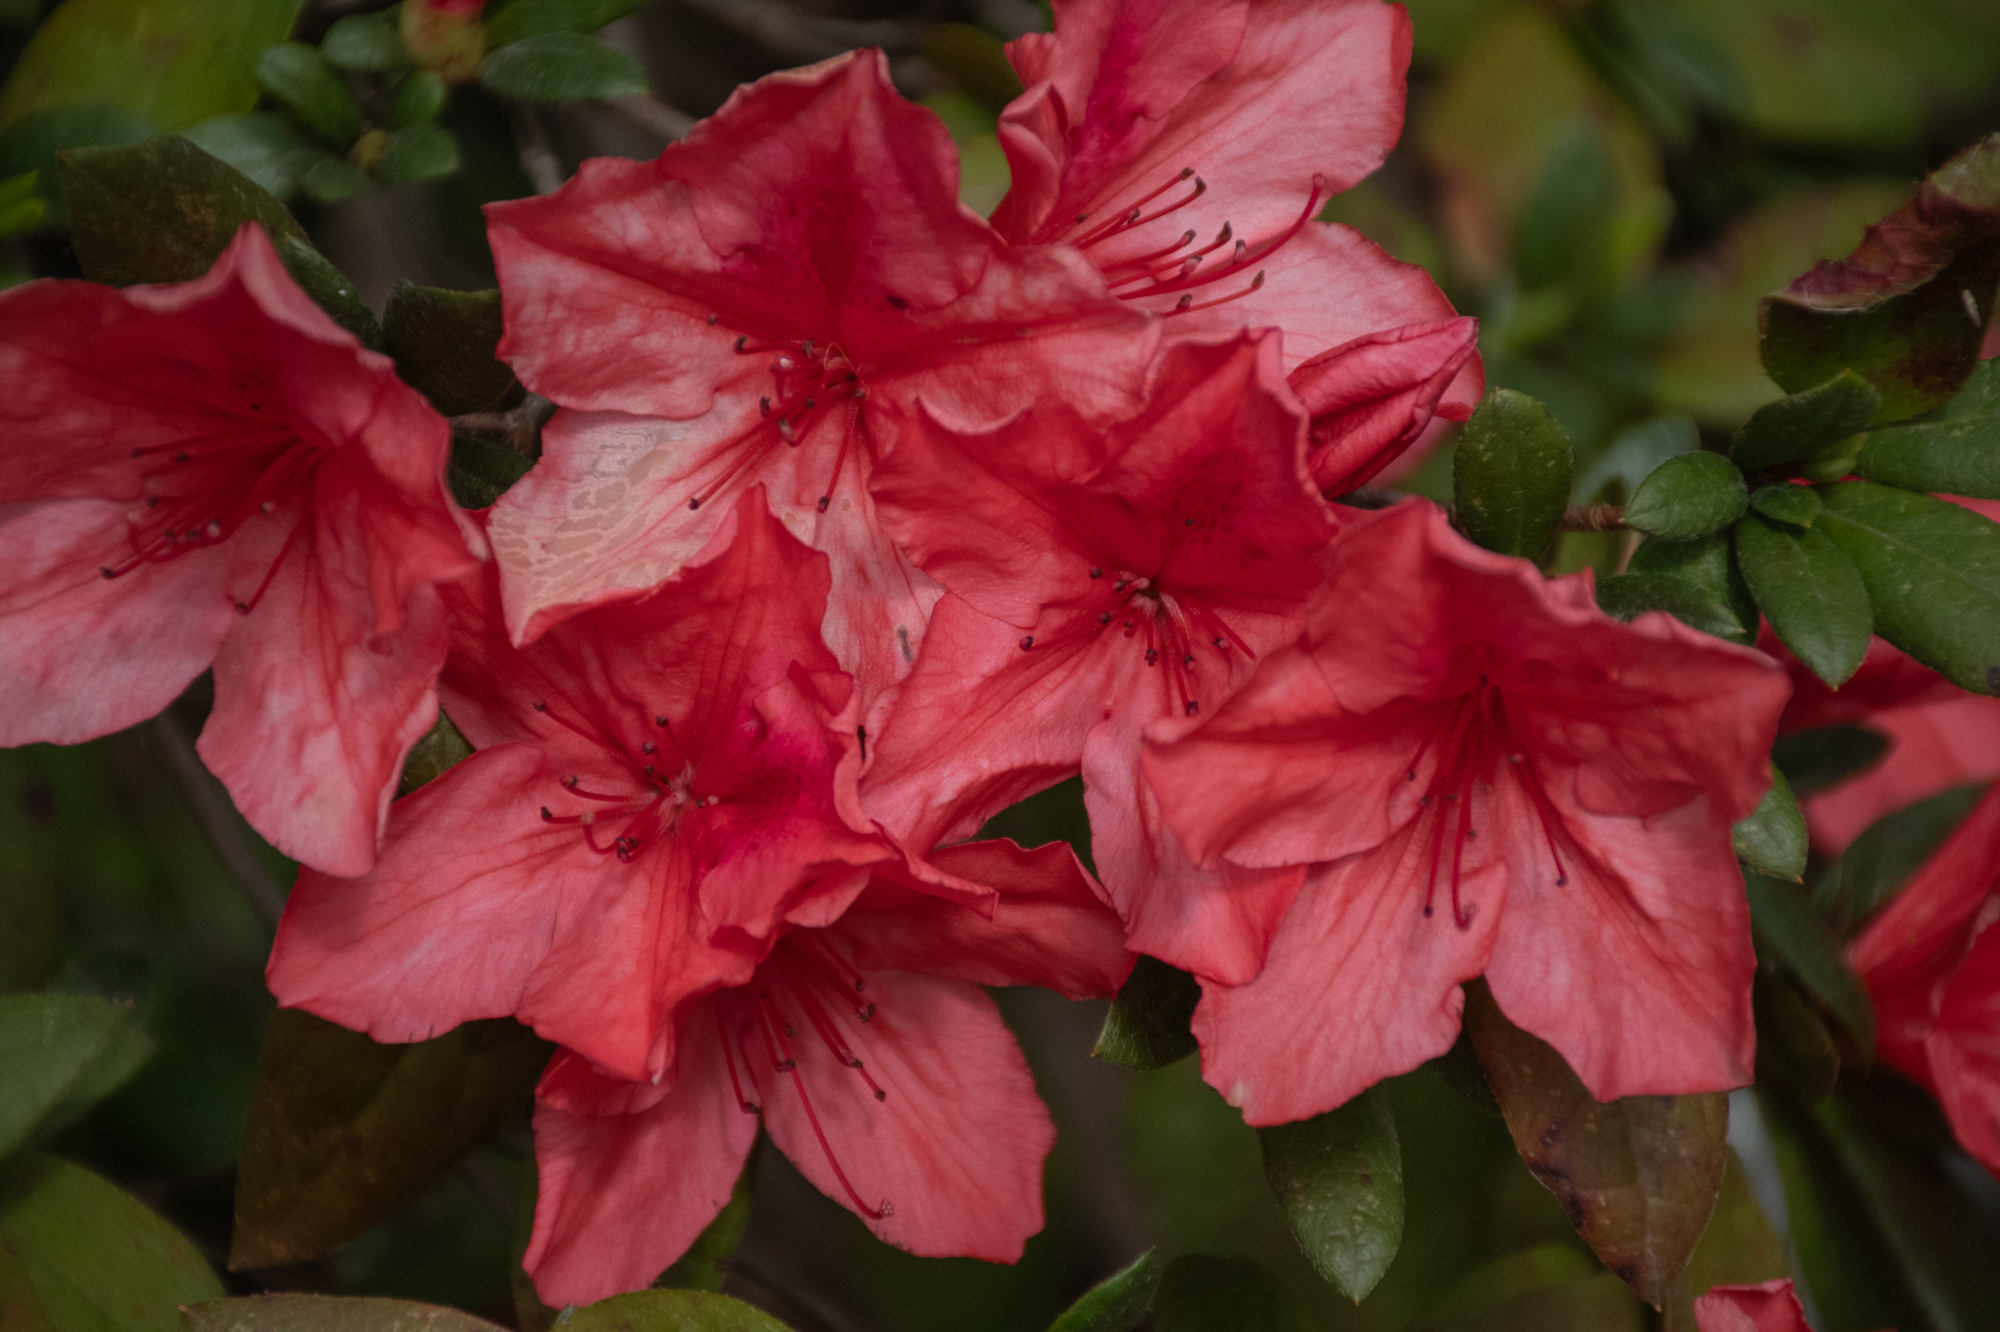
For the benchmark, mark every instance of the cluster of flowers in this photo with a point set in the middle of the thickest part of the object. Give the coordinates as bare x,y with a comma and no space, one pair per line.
863,518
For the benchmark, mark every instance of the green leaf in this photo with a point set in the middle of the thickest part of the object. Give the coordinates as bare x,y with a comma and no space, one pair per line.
1802,424
1203,1294
1932,570
262,146
366,43
481,471
1739,1247
1878,863
1688,497
417,152
330,178
1789,931
671,1311
706,1261
1811,593
1697,582
1338,1178
288,1312
559,66
1549,1288
1793,505
428,759
1794,1050
61,1053
419,98
300,77
163,210
80,1255
1638,1176
174,63
1952,451
344,1132
443,342
1773,839
1119,1303
1147,1026
29,146
1510,477
1633,456
531,18
1822,757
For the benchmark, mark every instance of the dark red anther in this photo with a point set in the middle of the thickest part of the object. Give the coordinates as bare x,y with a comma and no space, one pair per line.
1027,642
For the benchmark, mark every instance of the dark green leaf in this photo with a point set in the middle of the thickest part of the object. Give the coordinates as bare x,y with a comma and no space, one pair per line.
1632,457
30,145
1549,1288
1811,593
1697,582
1822,757
1510,477
1119,1303
80,1255
173,63
481,471
558,66
418,99
1688,497
531,18
1932,570
1953,451
1789,931
262,146
706,1261
1802,424
1797,506
671,1311
162,210
366,42
1147,1026
443,342
1638,1176
1794,1050
417,152
1881,860
1203,1294
1458,1068
1773,839
299,76
59,1052
441,747
330,178
287,1312
1338,1178
344,1132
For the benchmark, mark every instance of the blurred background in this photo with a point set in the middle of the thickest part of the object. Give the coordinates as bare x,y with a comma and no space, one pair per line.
1608,184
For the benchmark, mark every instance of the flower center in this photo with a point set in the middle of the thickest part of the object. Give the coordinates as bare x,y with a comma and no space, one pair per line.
636,818
1177,268
1473,739
802,978
810,381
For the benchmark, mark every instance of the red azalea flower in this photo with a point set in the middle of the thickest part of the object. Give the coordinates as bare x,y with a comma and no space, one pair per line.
1771,1307
765,303
1184,146
1103,582
1932,966
214,473
1485,774
876,1062
657,787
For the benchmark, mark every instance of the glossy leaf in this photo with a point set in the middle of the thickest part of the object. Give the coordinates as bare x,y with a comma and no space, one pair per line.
531,18
1790,932
289,1312
1511,475
1810,591
443,343
173,62
343,1132
671,1311
1881,860
1119,1303
300,77
1697,582
368,43
1795,506
77,1254
1203,1294
1801,424
162,210
1932,570
1952,451
1688,497
1147,1026
1638,1176
1338,1178
419,98
1773,839
1822,757
1794,1050
560,66
417,152
262,146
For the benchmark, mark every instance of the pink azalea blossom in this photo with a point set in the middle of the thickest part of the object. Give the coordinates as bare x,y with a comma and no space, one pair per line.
215,474
1771,1307
1479,773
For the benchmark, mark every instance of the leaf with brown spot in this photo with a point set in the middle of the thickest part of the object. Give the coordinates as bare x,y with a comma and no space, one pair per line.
326,1313
1637,1176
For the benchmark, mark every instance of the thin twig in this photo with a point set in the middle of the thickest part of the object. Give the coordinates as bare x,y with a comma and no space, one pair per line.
539,159
1594,518
211,805
518,427
652,115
